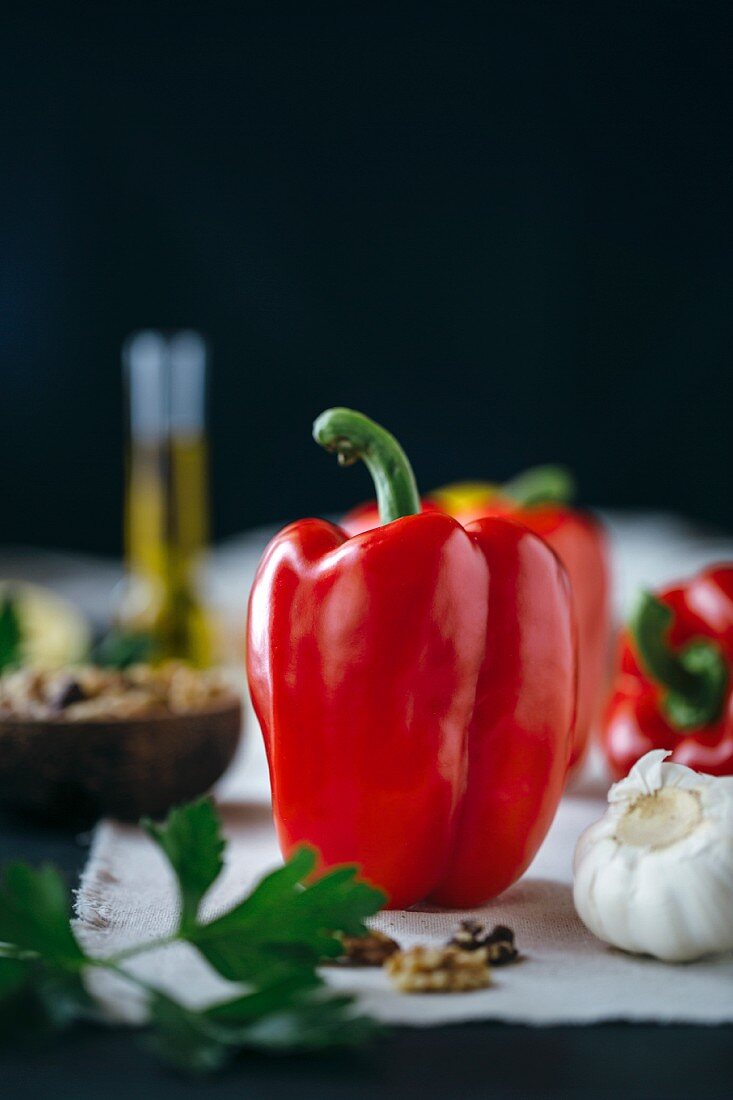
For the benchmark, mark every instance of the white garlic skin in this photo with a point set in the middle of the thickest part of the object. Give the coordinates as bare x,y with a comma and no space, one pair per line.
668,893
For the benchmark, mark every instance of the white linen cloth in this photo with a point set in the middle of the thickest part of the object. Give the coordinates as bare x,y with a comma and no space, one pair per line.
127,893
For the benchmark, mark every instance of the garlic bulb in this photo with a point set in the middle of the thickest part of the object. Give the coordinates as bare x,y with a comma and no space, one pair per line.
655,875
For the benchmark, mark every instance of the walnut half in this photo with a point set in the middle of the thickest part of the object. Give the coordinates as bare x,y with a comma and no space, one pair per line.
370,950
499,943
438,970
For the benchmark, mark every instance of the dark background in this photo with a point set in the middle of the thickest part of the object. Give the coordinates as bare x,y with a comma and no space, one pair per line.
503,229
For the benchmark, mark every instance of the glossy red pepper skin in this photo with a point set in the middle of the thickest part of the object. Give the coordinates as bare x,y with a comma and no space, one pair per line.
634,722
415,685
580,542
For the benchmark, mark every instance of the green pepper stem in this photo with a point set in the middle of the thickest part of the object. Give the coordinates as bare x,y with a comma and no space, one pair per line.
540,485
694,679
353,436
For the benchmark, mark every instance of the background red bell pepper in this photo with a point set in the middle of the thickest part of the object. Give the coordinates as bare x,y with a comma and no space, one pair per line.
673,686
539,500
415,685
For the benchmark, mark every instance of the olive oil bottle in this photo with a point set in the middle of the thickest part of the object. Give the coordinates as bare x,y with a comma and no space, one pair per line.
166,496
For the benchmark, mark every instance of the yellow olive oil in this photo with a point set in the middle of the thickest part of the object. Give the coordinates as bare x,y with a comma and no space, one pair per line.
166,497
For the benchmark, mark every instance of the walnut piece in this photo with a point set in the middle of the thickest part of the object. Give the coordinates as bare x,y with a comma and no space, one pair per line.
370,950
498,944
438,970
469,935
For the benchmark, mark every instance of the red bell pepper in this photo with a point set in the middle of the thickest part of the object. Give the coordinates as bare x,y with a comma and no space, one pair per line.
415,686
538,499
673,689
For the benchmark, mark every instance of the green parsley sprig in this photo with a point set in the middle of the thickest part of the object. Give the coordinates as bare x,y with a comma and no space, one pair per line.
11,635
269,944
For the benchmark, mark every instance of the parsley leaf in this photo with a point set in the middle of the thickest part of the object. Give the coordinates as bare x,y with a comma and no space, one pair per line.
34,914
270,945
185,1039
41,986
251,1006
314,1023
10,633
41,999
286,927
62,997
191,839
122,648
13,976
279,1019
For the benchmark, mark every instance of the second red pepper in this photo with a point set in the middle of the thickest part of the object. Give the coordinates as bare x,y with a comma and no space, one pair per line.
539,499
673,689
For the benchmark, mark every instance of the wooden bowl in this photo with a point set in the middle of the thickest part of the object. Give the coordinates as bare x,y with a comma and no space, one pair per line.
124,768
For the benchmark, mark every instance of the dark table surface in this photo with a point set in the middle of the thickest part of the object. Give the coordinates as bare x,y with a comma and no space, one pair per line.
481,1060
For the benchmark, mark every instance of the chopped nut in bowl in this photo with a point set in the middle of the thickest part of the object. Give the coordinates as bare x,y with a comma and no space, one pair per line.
83,741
